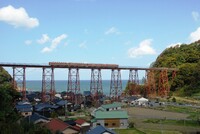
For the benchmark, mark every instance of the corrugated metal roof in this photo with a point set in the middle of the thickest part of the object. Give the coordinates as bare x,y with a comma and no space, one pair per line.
24,108
111,114
100,130
34,117
113,105
42,106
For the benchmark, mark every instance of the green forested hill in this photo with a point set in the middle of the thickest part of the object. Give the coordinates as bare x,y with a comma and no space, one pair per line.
186,58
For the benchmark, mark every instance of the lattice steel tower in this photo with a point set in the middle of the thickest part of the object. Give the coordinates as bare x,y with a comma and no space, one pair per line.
116,84
96,84
134,80
48,84
19,80
73,88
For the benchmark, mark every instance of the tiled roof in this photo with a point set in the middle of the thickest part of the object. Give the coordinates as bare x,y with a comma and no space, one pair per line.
71,122
100,130
62,102
41,106
77,128
111,114
34,117
80,121
113,105
23,103
24,108
56,124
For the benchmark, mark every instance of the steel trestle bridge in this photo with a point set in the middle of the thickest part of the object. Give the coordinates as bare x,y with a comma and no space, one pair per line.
73,88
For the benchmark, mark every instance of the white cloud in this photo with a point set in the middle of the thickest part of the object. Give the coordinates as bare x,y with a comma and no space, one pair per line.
18,17
143,49
174,45
112,30
45,38
54,43
195,36
28,42
83,44
195,15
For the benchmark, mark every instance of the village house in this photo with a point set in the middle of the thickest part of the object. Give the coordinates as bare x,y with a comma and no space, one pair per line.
36,118
24,108
100,130
83,125
58,126
110,107
111,119
45,109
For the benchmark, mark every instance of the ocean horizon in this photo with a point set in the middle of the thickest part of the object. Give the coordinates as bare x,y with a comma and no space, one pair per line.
61,85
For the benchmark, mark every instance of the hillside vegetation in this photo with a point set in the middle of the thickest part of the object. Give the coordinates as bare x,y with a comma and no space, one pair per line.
186,58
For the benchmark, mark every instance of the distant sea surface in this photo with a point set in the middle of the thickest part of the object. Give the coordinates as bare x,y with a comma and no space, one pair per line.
61,85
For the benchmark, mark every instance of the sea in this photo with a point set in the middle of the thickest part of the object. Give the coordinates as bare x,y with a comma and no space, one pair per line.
61,85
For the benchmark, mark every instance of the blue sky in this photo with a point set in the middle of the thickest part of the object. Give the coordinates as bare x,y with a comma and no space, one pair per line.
124,32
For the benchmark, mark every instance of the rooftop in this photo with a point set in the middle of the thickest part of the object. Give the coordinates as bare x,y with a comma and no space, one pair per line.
113,105
41,106
34,117
24,108
86,93
62,102
80,121
100,130
111,114
56,124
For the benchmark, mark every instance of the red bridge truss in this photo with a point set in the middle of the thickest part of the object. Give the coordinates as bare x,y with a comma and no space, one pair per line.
73,87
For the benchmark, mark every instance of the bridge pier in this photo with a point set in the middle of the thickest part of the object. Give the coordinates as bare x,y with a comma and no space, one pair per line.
48,84
115,84
134,80
96,84
19,80
150,83
163,89
73,87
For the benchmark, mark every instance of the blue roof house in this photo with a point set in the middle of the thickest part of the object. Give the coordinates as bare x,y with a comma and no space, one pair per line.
36,118
24,109
100,130
45,109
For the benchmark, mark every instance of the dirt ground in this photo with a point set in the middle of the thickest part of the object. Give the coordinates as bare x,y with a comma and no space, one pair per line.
139,114
145,113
